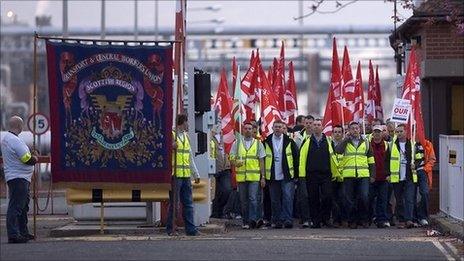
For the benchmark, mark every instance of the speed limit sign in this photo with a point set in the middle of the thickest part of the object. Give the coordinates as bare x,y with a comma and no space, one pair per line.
41,123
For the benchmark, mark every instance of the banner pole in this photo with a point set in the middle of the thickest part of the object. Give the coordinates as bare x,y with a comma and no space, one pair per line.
34,173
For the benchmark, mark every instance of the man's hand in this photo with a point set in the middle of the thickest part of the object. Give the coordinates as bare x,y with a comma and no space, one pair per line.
388,178
413,166
35,153
262,182
174,145
197,180
372,180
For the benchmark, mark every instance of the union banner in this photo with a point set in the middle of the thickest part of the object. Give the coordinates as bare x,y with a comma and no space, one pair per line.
110,113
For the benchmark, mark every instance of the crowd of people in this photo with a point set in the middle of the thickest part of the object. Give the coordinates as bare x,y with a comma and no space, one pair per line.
363,174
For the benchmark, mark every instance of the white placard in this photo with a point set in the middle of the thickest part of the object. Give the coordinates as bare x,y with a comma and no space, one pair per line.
400,111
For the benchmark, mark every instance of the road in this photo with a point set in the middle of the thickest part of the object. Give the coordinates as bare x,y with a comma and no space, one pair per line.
270,244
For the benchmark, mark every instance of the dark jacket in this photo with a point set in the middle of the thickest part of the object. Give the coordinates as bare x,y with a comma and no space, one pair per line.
285,168
409,158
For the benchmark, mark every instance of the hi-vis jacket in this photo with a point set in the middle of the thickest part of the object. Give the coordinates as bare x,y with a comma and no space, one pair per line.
182,158
357,162
393,158
289,156
304,150
250,170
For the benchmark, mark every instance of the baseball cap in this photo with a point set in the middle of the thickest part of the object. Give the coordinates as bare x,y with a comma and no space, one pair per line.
377,127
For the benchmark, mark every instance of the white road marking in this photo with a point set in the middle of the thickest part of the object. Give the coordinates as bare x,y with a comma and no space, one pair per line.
443,250
455,251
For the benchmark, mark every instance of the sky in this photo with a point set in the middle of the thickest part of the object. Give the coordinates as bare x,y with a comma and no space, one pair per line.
253,13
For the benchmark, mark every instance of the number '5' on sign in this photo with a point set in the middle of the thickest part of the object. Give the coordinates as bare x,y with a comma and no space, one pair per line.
41,123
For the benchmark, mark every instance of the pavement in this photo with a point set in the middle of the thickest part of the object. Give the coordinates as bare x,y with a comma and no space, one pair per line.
448,225
233,243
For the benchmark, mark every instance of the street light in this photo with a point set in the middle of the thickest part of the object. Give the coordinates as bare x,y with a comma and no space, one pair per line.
213,8
219,20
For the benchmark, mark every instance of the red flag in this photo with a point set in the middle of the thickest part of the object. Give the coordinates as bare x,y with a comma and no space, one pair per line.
332,114
234,74
411,92
358,115
269,111
248,96
224,109
278,87
378,95
348,88
291,105
252,58
371,95
270,74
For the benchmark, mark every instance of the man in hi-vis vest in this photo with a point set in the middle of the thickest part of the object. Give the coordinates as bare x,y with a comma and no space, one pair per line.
318,168
183,166
281,169
401,171
247,154
357,167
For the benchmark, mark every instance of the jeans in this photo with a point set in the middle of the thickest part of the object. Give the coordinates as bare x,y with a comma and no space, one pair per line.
249,196
423,206
266,203
320,200
303,199
183,190
282,200
18,206
404,194
222,192
338,211
378,201
356,191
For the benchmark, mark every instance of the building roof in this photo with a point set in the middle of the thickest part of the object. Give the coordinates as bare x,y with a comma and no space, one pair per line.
431,10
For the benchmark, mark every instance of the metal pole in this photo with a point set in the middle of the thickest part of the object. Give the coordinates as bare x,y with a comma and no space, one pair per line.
136,26
301,24
65,18
156,20
34,174
102,217
103,17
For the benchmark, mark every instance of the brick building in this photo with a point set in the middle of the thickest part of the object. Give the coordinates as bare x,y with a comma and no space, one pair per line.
437,30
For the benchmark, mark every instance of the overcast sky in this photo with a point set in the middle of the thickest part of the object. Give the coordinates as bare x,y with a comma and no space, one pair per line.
121,13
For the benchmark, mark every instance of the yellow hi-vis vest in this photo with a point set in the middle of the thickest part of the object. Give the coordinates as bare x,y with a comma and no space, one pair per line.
212,148
304,155
355,162
269,158
249,171
182,167
395,162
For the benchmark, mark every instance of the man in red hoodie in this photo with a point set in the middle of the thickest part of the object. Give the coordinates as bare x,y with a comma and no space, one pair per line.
379,184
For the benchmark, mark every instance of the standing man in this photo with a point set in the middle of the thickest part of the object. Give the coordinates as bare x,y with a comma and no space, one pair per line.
223,172
338,212
318,167
379,184
300,119
402,174
357,168
184,166
18,166
425,183
306,132
248,155
281,164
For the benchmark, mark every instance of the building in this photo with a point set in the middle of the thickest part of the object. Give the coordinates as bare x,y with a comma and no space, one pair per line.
437,30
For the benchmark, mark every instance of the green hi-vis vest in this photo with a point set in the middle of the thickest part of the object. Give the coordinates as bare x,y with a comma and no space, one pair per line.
269,158
212,147
304,155
395,162
249,171
355,162
182,164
